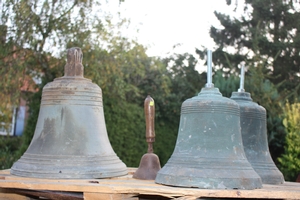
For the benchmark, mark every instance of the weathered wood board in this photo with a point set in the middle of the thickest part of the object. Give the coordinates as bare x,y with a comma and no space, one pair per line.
126,187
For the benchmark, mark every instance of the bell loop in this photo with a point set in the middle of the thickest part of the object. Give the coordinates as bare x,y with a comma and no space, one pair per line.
74,65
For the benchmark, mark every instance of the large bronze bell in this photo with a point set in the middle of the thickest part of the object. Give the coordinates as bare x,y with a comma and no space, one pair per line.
254,136
209,151
70,139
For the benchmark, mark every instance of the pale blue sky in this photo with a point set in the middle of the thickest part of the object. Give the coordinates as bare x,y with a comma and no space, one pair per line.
165,23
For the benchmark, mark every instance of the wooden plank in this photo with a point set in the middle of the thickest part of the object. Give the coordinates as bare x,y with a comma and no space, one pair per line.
103,196
9,196
6,195
48,194
126,185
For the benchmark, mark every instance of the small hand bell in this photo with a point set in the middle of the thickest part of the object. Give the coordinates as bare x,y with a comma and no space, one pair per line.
149,165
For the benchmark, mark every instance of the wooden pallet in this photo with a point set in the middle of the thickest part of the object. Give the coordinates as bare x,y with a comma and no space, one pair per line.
125,187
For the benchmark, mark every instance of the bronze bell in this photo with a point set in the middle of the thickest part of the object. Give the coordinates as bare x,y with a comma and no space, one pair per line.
254,136
209,151
70,139
149,164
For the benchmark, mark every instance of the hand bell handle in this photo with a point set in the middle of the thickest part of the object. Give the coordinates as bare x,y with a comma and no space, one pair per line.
149,108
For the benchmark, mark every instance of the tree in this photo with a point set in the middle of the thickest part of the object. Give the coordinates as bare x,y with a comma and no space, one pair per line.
120,71
30,30
184,82
269,29
266,37
35,32
118,65
290,160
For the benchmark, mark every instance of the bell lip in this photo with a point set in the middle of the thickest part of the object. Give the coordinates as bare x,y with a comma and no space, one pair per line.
70,174
270,175
64,167
242,183
214,177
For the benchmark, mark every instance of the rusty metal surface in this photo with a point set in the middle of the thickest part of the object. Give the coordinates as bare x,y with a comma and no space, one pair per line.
254,136
149,164
209,151
148,168
70,139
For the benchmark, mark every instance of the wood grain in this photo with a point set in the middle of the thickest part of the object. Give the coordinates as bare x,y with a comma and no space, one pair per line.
126,187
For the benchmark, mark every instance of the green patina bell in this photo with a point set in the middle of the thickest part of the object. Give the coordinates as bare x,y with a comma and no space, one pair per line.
209,151
254,136
70,140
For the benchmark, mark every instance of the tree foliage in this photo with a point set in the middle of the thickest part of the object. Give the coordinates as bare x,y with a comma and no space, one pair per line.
30,32
39,32
265,37
267,28
290,160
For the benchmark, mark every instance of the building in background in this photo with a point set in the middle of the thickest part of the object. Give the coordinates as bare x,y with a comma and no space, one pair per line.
20,112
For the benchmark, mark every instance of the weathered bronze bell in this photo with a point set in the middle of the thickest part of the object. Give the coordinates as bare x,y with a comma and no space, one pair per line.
149,164
254,136
70,139
209,151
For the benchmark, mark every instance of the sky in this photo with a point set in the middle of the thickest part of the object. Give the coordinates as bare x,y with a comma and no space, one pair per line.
163,24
